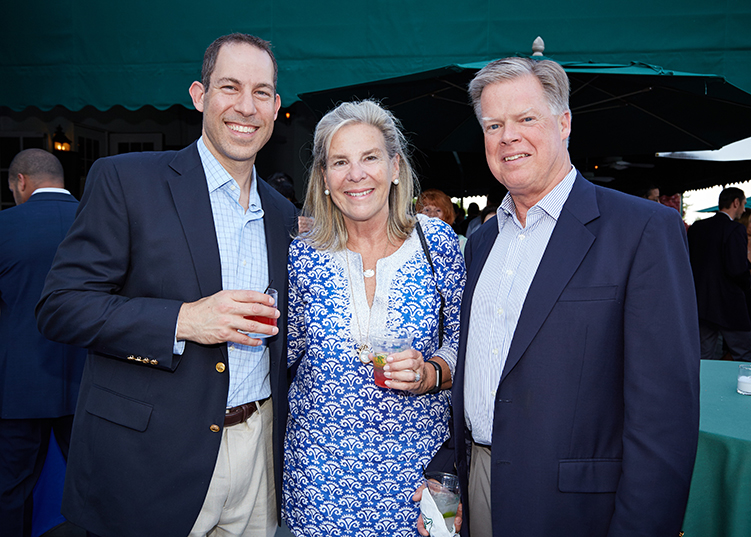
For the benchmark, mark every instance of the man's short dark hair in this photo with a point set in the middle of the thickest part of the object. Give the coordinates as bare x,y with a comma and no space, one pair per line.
37,164
283,184
729,195
209,57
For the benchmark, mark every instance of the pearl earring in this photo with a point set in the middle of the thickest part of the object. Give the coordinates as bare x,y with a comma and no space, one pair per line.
396,181
326,192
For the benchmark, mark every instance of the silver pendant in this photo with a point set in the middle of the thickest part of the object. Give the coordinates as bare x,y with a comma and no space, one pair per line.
363,352
368,273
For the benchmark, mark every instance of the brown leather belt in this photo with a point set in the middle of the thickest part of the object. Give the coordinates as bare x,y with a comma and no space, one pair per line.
239,414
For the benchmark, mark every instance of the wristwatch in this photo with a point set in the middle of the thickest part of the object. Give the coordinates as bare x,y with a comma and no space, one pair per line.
438,377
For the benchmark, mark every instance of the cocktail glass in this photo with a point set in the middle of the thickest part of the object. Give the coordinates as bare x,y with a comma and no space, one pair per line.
444,488
384,346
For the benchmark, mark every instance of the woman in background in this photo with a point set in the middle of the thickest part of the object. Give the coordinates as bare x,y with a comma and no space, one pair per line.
436,204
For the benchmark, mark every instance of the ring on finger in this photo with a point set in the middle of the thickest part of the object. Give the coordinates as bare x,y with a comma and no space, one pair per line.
417,376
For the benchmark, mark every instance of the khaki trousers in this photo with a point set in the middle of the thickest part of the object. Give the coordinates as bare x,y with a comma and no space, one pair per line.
241,500
479,492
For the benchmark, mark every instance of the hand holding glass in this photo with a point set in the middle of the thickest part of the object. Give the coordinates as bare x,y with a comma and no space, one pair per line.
271,321
384,346
444,488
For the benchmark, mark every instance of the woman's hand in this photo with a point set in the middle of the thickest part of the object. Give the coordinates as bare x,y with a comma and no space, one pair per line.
407,371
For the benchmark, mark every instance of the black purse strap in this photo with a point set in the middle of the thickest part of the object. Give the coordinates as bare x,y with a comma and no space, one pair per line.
430,262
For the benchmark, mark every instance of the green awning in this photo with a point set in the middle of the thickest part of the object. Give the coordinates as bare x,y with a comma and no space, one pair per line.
138,53
717,208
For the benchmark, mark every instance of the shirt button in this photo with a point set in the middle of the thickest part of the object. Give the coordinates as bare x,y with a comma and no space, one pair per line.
500,311
220,367
215,428
521,237
244,262
509,272
495,351
232,187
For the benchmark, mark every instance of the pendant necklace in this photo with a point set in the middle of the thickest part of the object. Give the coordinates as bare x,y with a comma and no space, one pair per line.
369,273
362,350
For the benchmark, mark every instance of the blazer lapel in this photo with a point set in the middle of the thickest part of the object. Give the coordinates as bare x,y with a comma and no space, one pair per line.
567,248
191,196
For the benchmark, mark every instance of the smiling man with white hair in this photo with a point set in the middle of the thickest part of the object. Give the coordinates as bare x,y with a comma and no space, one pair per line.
578,369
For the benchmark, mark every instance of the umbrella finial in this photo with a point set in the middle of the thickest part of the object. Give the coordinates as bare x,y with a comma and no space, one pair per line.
538,46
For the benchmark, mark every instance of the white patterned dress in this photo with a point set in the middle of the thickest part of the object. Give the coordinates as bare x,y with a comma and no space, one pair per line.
354,452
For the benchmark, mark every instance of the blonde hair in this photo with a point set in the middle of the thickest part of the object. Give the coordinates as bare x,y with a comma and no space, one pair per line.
328,231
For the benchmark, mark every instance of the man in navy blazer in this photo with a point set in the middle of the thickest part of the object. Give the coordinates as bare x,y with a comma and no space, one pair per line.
577,380
168,257
719,259
40,378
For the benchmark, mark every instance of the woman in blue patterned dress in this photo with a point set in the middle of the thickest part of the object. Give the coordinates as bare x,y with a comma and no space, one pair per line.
354,452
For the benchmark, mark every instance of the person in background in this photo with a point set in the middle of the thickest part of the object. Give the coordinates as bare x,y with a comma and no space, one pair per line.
354,451
650,192
578,370
436,204
674,200
745,221
487,213
284,184
471,223
40,378
459,217
162,278
720,264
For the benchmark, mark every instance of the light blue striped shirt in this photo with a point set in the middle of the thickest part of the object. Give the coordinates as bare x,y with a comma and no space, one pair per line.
498,299
242,251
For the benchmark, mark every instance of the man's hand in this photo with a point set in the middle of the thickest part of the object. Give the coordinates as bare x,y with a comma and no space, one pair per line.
416,497
219,318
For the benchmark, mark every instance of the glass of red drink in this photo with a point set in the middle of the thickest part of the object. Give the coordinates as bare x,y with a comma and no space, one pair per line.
265,320
384,346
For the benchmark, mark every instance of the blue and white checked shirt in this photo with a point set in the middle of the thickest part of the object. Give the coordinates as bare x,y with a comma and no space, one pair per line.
242,252
498,300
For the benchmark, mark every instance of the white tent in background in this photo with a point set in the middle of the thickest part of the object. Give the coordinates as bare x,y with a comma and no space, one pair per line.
740,150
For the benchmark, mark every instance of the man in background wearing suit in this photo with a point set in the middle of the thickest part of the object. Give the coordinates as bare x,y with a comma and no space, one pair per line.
578,372
719,259
39,378
166,263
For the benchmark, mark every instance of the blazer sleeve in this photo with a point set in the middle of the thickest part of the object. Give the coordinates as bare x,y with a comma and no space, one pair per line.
735,255
91,297
661,383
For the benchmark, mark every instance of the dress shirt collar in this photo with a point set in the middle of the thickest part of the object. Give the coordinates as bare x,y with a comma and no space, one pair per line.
50,189
217,176
552,203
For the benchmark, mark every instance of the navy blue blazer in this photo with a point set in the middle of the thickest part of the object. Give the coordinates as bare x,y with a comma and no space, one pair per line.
143,243
597,408
39,378
718,247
